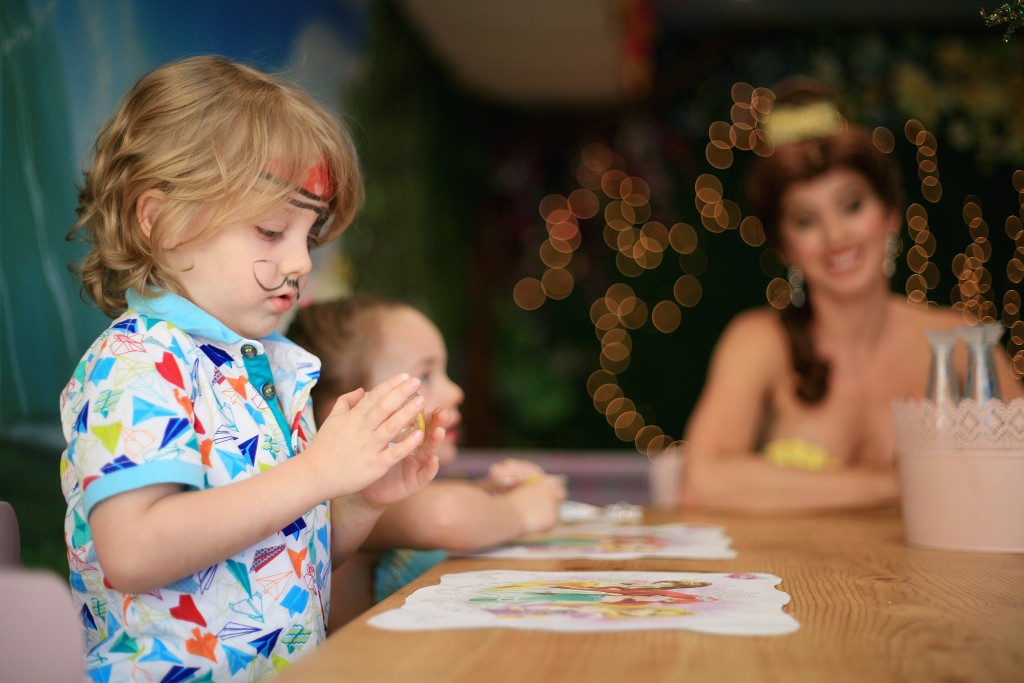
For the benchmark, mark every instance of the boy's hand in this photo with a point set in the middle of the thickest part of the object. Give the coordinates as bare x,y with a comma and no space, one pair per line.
414,472
351,450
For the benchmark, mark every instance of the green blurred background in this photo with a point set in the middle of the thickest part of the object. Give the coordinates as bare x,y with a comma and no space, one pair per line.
457,167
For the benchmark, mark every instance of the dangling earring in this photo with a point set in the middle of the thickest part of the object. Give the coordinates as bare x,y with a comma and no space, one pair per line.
795,277
892,248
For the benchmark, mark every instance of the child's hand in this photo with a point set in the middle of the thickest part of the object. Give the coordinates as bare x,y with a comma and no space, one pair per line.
510,473
352,450
414,472
441,418
536,501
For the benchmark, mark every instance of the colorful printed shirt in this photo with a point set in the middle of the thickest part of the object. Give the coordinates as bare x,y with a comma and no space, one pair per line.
167,394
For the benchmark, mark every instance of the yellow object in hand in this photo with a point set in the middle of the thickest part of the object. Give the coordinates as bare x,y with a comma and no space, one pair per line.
418,423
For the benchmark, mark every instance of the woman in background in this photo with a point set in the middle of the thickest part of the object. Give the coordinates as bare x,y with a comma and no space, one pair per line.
795,412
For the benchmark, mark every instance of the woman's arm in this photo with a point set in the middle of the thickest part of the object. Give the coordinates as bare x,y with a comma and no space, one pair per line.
753,484
722,468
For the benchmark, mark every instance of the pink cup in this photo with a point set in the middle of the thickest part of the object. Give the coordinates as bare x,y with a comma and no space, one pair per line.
962,475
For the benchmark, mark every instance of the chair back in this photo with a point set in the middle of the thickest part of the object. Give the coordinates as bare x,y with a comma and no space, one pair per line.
42,638
10,536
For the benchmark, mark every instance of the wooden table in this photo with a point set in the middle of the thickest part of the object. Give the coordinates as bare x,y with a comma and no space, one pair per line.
870,609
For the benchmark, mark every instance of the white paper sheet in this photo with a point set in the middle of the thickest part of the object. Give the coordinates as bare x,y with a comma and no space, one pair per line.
737,604
606,541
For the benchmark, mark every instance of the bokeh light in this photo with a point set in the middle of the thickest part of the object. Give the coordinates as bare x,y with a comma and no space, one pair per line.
883,139
620,202
529,294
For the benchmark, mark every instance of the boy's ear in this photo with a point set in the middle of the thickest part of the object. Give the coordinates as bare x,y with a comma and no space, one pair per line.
147,208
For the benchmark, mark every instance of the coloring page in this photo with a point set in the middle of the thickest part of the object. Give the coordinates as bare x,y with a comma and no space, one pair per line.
608,541
738,604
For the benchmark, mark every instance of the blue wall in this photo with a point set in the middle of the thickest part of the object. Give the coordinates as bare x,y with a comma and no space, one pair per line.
63,67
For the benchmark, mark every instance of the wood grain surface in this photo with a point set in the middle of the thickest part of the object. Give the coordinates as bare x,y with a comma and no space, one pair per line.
870,609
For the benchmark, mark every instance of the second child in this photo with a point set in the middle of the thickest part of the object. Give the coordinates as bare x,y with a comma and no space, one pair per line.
362,339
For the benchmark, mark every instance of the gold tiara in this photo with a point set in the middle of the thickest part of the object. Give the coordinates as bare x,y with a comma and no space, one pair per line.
792,123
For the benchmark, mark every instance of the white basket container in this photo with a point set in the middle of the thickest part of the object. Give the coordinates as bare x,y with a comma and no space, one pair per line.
962,474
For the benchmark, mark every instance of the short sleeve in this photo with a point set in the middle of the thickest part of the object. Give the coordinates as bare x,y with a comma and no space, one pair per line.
133,422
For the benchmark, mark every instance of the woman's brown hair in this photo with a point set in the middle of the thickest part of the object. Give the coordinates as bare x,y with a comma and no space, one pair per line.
802,160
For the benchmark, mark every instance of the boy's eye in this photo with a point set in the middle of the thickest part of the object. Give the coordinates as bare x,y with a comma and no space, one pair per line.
270,235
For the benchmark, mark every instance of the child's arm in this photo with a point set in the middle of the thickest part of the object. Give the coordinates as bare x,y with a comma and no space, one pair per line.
152,536
459,515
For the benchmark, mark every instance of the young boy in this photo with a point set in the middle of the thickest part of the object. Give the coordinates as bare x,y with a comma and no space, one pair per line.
202,515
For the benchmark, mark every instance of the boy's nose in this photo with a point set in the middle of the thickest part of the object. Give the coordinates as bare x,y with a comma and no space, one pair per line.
298,262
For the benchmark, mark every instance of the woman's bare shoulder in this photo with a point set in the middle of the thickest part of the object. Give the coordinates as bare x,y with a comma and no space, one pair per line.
756,327
929,317
753,340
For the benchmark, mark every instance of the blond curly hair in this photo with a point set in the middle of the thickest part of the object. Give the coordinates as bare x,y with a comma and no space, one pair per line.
204,131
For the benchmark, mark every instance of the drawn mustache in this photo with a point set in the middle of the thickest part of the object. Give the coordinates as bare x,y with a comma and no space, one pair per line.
269,278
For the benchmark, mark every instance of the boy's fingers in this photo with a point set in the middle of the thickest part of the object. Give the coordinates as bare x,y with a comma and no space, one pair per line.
345,402
387,398
405,419
397,450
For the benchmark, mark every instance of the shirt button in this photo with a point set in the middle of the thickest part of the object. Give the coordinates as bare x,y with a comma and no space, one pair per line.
268,391
249,351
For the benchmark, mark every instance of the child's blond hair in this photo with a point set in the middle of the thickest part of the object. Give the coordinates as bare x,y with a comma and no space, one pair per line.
205,132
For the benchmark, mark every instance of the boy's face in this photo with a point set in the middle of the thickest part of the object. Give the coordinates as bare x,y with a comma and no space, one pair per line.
409,342
250,273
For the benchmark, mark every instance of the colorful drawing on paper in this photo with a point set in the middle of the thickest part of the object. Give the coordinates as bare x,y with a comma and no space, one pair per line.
607,541
738,604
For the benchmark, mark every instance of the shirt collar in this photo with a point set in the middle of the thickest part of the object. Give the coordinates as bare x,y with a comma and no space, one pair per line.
183,313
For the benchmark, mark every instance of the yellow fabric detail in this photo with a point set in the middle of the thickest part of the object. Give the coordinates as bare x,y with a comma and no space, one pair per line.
797,453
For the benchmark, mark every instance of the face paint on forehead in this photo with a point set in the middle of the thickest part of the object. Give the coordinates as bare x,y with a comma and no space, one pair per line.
318,187
319,183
